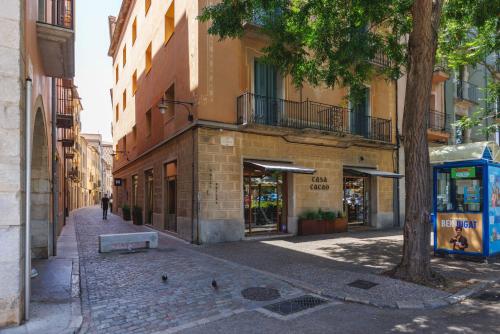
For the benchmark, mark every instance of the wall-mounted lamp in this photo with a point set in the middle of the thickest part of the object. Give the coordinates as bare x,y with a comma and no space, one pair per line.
163,107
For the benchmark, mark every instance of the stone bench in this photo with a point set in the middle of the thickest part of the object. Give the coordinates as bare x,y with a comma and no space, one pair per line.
106,241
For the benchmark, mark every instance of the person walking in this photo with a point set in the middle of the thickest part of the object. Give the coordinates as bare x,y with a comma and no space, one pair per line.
104,206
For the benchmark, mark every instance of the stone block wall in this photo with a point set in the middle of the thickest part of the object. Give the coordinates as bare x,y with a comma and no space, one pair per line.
11,229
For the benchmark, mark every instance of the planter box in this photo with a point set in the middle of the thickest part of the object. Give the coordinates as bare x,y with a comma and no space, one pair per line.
340,225
310,227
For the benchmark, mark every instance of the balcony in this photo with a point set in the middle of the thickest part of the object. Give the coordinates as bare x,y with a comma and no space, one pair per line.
262,110
67,137
65,107
381,60
436,126
440,73
467,91
56,39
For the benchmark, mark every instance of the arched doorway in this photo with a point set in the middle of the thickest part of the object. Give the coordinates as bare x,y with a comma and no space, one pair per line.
40,191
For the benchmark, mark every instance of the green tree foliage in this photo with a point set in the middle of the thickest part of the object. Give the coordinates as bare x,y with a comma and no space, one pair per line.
469,36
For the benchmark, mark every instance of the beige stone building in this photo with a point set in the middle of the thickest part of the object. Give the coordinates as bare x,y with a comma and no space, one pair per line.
36,134
215,145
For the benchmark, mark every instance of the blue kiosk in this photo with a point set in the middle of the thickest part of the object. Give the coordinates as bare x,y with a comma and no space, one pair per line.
466,199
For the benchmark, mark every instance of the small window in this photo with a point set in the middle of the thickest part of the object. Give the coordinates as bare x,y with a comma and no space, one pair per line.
148,123
124,55
117,112
124,97
134,82
147,5
149,57
125,144
117,75
169,22
134,31
170,96
134,133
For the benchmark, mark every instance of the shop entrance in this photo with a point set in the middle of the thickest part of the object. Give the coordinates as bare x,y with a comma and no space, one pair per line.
264,201
356,199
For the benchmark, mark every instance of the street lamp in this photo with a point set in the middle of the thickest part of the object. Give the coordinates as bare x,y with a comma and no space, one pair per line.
163,107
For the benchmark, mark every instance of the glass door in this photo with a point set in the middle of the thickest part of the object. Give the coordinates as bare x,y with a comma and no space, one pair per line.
170,197
356,201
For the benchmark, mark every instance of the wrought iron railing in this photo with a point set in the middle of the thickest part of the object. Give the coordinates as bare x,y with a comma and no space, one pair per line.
467,91
381,59
263,110
436,120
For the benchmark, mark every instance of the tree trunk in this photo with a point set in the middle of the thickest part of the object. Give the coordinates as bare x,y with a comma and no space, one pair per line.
422,43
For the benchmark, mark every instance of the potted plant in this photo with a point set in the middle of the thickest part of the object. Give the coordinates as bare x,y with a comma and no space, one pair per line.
309,223
126,212
137,215
340,224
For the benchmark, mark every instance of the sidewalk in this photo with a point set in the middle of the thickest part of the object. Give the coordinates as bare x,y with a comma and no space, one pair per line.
55,292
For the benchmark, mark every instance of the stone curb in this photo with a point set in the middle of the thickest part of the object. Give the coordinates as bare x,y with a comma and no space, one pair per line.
458,297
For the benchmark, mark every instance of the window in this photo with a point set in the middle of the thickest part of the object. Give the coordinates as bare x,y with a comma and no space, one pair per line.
459,189
169,22
117,112
134,31
147,5
149,58
148,123
359,119
134,82
125,144
124,97
116,74
170,95
41,10
124,55
134,133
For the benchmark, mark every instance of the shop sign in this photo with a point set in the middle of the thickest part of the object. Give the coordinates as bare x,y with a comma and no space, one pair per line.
463,172
319,183
462,232
118,182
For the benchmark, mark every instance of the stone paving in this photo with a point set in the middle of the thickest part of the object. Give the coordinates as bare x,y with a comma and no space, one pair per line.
123,292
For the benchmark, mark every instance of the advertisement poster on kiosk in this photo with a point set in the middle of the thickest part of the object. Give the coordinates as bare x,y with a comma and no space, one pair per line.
460,232
494,208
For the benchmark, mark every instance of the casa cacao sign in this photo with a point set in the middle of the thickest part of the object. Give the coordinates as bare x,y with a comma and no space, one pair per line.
319,183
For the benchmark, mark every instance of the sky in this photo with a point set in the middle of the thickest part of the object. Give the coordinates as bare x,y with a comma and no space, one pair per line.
94,72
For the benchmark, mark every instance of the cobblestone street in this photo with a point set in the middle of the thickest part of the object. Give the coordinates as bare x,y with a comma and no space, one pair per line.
124,293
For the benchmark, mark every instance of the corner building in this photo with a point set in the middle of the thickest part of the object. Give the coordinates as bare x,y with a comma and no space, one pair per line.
214,145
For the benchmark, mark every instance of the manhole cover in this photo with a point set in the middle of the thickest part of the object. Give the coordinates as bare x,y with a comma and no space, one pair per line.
295,305
489,296
362,284
260,294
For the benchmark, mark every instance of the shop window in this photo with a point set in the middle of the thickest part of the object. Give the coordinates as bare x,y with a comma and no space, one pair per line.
148,123
124,55
169,22
134,82
134,31
124,98
459,189
147,5
149,58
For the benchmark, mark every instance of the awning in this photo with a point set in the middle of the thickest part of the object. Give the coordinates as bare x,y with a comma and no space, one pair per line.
279,166
373,172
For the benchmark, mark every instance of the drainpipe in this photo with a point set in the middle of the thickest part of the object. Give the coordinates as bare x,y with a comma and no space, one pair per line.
396,203
55,193
27,208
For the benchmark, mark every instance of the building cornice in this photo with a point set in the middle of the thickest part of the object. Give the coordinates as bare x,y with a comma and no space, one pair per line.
120,24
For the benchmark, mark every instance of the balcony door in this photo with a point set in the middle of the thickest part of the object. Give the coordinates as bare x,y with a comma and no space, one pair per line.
266,93
360,120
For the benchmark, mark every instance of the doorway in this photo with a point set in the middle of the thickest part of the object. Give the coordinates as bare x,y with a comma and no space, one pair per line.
356,199
149,188
264,201
170,197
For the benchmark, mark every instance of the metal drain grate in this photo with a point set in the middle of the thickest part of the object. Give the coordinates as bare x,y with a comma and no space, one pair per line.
295,305
362,284
489,296
260,294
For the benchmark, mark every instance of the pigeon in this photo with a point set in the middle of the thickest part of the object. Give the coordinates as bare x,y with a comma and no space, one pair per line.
164,277
214,285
